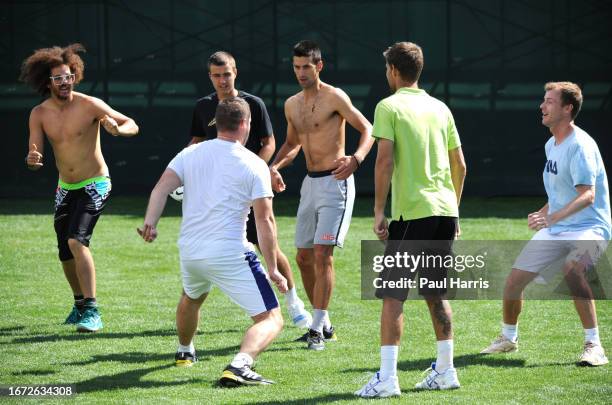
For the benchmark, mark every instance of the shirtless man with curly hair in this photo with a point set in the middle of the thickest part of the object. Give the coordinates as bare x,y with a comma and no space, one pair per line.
71,122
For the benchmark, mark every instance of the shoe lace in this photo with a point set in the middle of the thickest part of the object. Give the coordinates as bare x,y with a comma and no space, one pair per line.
589,347
374,381
91,311
500,339
430,374
315,336
250,373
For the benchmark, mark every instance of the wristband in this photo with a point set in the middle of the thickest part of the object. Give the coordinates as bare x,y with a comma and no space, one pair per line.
357,161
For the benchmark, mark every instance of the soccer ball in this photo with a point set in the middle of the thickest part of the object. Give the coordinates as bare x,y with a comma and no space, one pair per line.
177,194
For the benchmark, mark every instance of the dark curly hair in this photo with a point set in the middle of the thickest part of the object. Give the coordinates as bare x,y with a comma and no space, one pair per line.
36,69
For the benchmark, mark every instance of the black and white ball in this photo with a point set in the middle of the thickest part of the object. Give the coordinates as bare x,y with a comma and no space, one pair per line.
177,194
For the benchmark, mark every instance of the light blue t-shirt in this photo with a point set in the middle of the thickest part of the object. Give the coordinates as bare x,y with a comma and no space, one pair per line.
577,161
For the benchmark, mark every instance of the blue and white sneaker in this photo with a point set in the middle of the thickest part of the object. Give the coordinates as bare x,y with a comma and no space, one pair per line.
439,381
90,320
74,317
377,388
298,314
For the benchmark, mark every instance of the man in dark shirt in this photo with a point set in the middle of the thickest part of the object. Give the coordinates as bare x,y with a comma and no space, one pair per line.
222,72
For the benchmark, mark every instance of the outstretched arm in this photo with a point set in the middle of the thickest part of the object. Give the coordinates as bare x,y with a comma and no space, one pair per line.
113,121
266,234
347,165
166,184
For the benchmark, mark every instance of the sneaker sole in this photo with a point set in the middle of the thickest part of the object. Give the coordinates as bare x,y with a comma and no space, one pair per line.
380,396
184,363
304,338
513,350
438,389
230,380
588,364
83,329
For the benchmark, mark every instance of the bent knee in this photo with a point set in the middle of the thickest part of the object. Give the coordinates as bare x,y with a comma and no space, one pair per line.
75,244
278,319
303,258
323,254
273,316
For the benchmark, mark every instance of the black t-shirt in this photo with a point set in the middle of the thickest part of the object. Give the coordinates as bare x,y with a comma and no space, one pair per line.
203,122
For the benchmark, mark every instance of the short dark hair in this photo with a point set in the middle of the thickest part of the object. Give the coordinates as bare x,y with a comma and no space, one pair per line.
570,94
230,112
221,58
36,69
309,49
407,58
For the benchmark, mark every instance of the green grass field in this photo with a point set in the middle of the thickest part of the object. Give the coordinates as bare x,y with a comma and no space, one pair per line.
132,359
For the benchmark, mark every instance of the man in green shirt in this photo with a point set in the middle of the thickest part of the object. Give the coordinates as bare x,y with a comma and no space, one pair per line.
420,157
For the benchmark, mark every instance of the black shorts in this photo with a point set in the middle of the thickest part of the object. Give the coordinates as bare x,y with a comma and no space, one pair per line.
251,229
77,211
429,238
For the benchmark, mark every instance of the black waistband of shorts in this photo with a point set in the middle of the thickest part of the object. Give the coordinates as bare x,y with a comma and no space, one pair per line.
320,174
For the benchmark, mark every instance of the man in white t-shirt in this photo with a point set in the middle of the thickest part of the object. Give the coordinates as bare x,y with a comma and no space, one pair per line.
222,180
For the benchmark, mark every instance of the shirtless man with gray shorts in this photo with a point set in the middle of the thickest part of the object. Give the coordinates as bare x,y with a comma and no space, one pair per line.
316,118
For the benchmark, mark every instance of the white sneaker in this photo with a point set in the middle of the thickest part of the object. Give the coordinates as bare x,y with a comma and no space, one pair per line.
375,388
501,345
299,316
593,355
439,381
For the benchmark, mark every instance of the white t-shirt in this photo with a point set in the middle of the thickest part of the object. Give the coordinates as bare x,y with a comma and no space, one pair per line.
221,180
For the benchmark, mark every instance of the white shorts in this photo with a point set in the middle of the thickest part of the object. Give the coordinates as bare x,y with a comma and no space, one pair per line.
240,276
545,248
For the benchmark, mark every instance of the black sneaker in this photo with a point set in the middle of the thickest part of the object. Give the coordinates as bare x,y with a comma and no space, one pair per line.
315,340
185,359
329,335
235,377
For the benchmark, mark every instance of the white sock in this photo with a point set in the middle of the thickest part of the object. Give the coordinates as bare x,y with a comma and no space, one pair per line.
189,348
326,321
388,361
241,360
510,332
318,319
444,361
291,296
592,335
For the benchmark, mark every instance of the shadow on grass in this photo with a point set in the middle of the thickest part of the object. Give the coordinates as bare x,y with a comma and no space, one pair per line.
460,361
120,335
127,380
344,396
9,331
141,357
33,372
86,336
555,364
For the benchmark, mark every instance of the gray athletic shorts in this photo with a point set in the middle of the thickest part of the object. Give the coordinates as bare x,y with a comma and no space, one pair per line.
325,210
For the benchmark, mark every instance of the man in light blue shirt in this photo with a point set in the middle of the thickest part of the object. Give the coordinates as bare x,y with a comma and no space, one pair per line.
571,164
574,224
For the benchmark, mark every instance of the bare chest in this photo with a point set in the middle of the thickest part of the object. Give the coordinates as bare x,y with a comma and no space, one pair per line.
314,117
69,126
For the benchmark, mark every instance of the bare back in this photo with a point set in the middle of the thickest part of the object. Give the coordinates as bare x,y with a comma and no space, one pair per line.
319,125
74,134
